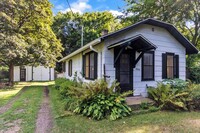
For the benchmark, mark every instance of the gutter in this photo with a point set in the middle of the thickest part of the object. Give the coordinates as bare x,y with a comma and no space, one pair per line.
89,45
93,49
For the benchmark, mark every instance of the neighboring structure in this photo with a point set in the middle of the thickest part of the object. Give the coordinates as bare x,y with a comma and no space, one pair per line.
29,73
136,56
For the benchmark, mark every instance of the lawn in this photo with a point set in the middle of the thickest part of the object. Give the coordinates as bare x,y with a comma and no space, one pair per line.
7,94
162,121
23,113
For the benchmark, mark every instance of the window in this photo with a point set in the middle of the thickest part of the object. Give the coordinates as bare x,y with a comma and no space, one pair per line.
63,67
148,66
90,65
70,68
170,67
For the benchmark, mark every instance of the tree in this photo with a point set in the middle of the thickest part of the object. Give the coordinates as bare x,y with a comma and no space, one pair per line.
26,37
93,23
184,14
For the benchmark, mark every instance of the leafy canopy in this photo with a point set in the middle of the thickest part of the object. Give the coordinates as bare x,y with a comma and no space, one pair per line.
26,36
94,23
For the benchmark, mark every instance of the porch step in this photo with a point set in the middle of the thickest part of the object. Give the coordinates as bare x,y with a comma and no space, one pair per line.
135,101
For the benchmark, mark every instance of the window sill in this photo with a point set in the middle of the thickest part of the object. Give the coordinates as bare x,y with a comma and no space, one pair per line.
148,80
89,79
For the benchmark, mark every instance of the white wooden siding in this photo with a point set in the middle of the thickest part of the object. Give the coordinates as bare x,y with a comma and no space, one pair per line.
40,73
77,64
160,37
164,41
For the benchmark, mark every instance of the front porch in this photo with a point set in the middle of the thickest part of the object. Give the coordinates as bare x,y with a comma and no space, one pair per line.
127,55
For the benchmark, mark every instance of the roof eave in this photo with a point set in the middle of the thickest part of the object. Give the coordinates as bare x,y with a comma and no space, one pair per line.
94,42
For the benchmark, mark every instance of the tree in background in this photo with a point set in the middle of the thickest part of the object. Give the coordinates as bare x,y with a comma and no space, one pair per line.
94,23
184,14
26,37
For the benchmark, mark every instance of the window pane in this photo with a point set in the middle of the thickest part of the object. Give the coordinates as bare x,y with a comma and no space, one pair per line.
92,60
87,66
170,60
148,59
170,72
92,72
148,70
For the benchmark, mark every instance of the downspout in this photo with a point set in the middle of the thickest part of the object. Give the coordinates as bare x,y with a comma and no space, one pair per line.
93,49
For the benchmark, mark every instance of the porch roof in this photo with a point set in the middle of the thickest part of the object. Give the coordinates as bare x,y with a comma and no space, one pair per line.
138,43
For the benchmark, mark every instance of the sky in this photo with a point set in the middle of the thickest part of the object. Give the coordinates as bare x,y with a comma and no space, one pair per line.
81,6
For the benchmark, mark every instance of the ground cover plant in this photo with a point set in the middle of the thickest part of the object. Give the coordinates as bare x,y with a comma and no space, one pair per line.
160,121
95,99
176,95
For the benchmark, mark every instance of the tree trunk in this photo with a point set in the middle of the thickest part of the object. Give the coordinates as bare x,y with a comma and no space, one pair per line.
11,74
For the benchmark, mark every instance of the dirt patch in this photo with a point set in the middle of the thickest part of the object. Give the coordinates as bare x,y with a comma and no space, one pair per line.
193,123
6,107
12,127
148,129
44,121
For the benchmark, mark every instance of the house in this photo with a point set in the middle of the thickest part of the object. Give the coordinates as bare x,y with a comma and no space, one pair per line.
136,56
30,73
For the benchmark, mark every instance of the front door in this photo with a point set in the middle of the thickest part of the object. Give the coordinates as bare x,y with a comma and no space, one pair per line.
22,74
124,71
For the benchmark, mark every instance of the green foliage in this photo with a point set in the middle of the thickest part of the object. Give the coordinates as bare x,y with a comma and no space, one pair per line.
195,96
94,99
101,105
176,83
93,22
59,81
26,36
144,105
167,97
194,74
168,11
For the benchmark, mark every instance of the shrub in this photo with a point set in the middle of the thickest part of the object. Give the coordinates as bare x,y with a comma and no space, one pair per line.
59,81
95,99
145,105
100,106
167,97
195,96
194,74
176,83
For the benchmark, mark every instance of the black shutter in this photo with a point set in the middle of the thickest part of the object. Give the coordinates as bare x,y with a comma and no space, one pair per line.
176,66
164,66
63,67
95,64
83,66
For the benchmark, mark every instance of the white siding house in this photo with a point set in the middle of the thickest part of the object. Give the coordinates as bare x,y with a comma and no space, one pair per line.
29,73
137,56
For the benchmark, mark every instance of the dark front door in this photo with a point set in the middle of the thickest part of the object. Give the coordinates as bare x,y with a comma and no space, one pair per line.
22,74
124,71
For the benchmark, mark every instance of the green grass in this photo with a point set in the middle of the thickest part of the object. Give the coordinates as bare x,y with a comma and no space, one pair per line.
24,111
161,121
7,94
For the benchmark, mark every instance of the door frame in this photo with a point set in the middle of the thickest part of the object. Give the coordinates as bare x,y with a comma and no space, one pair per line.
131,54
22,69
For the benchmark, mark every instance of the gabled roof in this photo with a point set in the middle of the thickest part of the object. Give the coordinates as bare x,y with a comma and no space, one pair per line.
138,38
190,48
